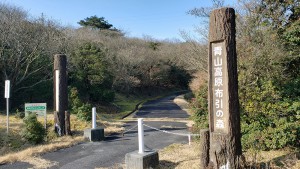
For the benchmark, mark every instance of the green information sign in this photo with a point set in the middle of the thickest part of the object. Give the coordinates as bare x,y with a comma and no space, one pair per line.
38,108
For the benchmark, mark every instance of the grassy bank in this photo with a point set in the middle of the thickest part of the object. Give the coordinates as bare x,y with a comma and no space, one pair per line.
14,148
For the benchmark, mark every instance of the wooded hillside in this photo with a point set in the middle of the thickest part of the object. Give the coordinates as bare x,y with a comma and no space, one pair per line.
101,62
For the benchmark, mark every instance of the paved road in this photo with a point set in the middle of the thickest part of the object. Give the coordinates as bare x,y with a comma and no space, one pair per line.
112,151
161,108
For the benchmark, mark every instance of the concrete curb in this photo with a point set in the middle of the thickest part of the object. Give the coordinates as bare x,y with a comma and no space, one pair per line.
137,107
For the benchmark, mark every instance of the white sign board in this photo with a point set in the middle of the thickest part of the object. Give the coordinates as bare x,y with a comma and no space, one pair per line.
7,89
219,86
37,108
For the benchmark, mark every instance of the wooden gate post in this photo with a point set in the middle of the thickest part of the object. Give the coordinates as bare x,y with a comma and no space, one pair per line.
204,148
60,92
225,136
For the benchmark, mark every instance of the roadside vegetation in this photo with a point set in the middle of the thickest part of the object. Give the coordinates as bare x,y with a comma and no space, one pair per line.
115,73
268,43
106,70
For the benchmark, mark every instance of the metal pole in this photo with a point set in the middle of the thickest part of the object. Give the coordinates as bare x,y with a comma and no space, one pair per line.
94,124
46,120
6,95
141,135
7,113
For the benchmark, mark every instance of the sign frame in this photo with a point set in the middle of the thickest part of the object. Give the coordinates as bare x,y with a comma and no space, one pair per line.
40,109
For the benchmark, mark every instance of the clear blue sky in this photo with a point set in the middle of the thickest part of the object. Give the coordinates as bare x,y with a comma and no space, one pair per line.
160,19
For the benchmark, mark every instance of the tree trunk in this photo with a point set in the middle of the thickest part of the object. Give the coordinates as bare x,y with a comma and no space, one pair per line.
60,92
225,136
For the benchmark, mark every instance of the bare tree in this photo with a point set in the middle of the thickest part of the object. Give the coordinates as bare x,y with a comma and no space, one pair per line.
26,47
196,48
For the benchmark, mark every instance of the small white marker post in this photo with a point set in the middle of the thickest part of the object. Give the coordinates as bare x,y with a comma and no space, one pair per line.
190,139
140,158
94,124
141,135
6,95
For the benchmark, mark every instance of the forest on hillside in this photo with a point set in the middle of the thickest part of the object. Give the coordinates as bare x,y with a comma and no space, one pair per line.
103,62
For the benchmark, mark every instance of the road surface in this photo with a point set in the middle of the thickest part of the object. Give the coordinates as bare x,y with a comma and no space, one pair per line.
111,152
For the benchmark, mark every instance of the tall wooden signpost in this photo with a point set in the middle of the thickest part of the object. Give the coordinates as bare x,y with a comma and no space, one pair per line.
61,115
224,118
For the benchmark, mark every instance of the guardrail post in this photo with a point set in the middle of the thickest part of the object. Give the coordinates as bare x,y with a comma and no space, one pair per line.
95,133
141,159
94,124
141,135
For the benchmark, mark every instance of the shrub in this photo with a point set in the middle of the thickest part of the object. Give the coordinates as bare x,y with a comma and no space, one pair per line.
34,132
105,95
274,134
82,110
189,96
269,120
199,106
19,114
74,101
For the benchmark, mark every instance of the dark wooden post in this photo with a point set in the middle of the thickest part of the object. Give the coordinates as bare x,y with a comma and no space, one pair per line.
225,136
60,92
204,148
67,123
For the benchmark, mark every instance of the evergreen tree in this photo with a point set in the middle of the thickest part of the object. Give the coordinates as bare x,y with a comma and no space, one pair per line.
95,23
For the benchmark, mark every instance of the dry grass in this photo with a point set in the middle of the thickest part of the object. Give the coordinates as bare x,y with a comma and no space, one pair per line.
14,123
29,153
297,165
40,163
285,158
180,156
184,156
112,127
264,156
175,156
